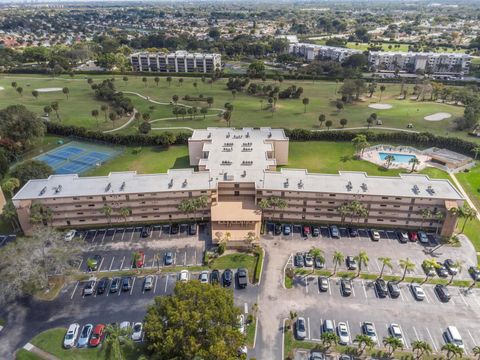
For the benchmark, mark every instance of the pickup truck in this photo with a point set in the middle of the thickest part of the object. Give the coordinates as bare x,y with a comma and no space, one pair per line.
242,277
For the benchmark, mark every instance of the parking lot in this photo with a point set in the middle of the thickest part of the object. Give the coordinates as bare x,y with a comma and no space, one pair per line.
419,320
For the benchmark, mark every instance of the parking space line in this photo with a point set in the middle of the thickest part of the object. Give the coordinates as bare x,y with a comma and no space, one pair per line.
121,265
463,298
376,263
415,331
185,259
364,290
131,236
471,337
103,238
431,338
405,340
308,322
353,288
80,265
306,284
426,296
155,285
166,284
75,289
123,234
111,264
349,332
101,263
329,287
133,283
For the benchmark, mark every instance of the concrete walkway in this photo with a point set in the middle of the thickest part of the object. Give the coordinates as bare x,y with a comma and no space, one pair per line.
369,128
39,352
132,118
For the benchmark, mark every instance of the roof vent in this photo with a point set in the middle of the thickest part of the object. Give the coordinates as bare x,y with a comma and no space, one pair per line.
184,184
269,135
247,135
349,186
430,190
228,134
364,187
122,187
300,184
285,184
415,189
58,189
43,191
244,173
209,135
108,187
170,184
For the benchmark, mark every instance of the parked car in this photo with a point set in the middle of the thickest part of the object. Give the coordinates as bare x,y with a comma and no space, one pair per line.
450,265
300,328
306,230
346,287
322,283
374,235
318,263
125,328
168,258
85,335
328,327
192,229
115,286
183,276
242,278
69,235
393,289
241,323
428,270
441,270
215,277
227,277
474,273
343,333
90,286
98,335
402,236
145,232
422,236
138,259
137,331
126,283
352,232
203,277
287,230
369,330
148,283
71,336
396,331
317,355
298,260
453,336
103,285
278,229
94,262
381,287
315,231
442,293
351,263
418,292
308,260
174,229
412,236
334,232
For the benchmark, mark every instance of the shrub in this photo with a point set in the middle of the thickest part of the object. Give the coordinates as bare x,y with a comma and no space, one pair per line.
221,248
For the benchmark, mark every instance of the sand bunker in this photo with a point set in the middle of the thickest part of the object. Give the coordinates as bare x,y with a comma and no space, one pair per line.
380,106
44,90
2,88
438,116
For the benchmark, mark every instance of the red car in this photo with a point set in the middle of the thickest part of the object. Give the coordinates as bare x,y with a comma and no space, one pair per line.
139,259
97,335
412,235
306,230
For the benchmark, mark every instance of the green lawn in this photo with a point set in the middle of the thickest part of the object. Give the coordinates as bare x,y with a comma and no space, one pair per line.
51,342
247,109
235,261
23,354
470,182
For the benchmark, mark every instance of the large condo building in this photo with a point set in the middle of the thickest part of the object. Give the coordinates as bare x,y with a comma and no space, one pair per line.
177,62
236,169
435,63
311,52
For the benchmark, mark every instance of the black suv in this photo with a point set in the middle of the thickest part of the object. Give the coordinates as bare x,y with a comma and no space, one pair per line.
381,287
242,278
126,283
145,232
393,289
346,287
227,277
215,277
192,229
174,229
442,292
277,229
102,285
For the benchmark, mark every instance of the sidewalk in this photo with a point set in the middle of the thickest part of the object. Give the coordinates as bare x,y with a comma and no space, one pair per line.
39,352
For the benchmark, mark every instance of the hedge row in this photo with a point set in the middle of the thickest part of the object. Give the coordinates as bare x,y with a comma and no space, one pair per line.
168,138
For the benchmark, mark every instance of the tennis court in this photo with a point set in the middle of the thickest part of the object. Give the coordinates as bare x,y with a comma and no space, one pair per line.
77,157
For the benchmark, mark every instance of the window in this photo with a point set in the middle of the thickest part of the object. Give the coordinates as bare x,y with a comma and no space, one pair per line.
331,202
76,198
396,206
91,205
68,222
380,220
237,186
78,206
79,213
104,198
203,192
332,195
384,197
398,198
383,205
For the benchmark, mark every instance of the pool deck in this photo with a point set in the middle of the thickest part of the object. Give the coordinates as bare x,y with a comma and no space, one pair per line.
372,155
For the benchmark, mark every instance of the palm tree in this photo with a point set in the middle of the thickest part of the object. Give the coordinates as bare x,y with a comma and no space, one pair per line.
439,216
317,253
144,80
407,266
305,102
20,90
414,162
364,341
362,259
343,210
425,214
321,119
263,204
338,258
10,185
47,109
107,211
393,343
452,350
116,340
360,142
104,108
386,262
428,265
95,115
328,339
388,160
476,351
156,79
66,91
35,94
125,80
169,80
421,348
227,116
125,212
180,81
343,122
175,99
9,213
458,265
476,151
55,108
382,89
14,84
204,112
467,213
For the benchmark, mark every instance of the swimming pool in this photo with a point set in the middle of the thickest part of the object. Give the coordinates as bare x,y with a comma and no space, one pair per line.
399,158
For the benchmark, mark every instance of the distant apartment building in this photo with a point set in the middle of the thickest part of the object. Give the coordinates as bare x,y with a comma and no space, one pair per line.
177,62
432,63
237,168
311,52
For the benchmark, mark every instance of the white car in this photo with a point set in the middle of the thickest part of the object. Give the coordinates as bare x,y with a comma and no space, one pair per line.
70,235
396,332
148,282
343,334
184,276
137,331
418,292
203,277
375,235
71,336
241,323
89,288
125,327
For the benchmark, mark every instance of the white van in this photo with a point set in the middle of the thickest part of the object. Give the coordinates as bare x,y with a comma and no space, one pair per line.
453,336
328,326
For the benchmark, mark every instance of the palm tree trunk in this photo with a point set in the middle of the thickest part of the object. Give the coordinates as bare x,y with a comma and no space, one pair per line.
404,274
381,272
